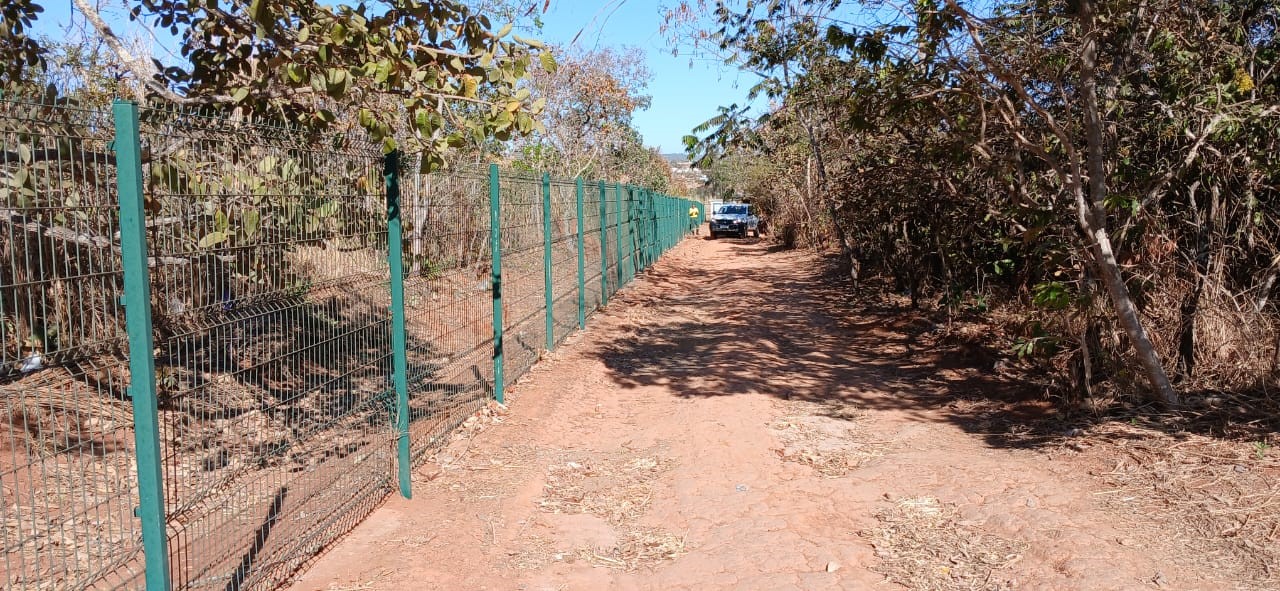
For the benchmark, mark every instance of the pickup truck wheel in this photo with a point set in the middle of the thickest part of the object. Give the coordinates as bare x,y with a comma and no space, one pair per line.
743,233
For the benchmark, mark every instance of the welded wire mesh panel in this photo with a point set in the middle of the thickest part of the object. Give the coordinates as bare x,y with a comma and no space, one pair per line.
270,301
564,258
448,301
591,244
66,450
524,325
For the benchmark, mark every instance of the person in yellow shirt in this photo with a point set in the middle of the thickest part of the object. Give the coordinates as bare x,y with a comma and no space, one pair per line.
693,219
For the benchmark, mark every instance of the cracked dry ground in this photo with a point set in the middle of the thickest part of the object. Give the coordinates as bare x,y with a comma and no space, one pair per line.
728,423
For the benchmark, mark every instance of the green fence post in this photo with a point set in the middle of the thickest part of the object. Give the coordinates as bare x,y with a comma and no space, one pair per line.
618,232
142,362
582,277
495,254
399,355
546,261
604,245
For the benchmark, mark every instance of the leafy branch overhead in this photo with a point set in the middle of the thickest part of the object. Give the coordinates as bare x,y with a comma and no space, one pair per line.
431,71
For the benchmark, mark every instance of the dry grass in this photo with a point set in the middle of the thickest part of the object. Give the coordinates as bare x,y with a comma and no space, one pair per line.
535,552
824,436
617,488
1219,499
638,547
494,474
367,585
922,546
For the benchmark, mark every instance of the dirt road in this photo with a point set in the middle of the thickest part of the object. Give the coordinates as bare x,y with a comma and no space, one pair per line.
727,423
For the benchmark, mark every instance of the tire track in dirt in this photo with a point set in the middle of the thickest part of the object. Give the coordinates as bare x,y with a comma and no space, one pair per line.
726,424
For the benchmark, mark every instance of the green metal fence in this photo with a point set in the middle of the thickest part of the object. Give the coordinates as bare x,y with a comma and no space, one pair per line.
316,317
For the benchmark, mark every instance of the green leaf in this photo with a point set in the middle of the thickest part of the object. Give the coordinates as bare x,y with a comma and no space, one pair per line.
20,177
240,94
327,209
1052,295
548,62
212,239
260,12
339,80
251,219
534,43
422,120
524,123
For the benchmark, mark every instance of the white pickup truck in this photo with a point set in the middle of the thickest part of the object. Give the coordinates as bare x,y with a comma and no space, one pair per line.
734,218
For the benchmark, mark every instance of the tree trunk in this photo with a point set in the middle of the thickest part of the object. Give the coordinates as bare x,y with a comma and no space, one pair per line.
1093,216
846,249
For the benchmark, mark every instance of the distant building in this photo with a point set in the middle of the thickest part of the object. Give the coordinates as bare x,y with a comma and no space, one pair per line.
686,176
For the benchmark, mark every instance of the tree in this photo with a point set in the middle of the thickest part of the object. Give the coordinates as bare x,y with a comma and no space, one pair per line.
432,73
1083,172
1108,166
19,53
587,105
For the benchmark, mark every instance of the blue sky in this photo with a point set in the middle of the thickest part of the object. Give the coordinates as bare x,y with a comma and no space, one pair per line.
684,95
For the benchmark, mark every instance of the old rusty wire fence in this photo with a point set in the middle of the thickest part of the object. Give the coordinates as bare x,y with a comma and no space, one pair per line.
308,318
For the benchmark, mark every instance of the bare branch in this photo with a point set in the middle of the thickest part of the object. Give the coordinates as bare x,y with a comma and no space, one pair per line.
142,68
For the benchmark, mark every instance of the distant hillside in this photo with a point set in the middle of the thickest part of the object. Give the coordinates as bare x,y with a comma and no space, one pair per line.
676,157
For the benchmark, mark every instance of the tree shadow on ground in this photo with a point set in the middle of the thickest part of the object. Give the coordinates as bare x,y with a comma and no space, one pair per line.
775,324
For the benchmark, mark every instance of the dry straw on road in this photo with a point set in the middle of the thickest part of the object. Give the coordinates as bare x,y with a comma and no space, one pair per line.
922,546
619,489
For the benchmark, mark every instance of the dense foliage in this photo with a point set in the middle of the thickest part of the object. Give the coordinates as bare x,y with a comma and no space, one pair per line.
1111,171
432,75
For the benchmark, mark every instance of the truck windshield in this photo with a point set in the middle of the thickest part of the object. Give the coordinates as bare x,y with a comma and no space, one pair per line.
732,209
